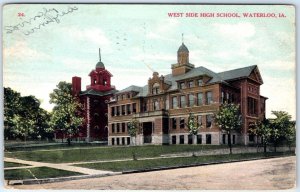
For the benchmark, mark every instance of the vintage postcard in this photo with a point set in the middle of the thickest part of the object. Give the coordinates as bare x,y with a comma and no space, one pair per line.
149,96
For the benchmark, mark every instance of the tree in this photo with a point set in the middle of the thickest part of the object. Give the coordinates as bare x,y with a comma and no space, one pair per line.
193,126
281,127
133,128
11,109
262,129
229,119
65,115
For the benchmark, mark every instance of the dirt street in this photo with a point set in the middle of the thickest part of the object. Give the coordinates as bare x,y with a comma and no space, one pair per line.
277,173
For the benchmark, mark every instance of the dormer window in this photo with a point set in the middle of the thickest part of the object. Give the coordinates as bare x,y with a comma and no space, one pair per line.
95,81
191,84
200,82
155,88
155,105
182,85
104,82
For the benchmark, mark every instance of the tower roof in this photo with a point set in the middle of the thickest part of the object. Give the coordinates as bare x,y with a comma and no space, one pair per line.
100,65
183,48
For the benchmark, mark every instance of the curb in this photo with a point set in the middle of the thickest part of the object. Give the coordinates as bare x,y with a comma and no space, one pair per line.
198,164
58,179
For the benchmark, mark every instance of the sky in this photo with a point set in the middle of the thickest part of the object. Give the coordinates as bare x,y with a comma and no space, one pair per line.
136,40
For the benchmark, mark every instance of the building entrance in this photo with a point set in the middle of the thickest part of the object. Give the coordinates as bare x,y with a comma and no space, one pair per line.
147,132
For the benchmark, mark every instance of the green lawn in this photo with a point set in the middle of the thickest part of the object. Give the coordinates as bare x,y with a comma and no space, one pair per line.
106,153
11,164
170,162
38,172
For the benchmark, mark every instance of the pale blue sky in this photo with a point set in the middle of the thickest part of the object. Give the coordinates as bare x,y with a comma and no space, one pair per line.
133,37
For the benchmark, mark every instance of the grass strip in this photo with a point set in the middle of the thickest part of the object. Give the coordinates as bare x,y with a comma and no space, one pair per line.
11,164
172,162
38,172
106,153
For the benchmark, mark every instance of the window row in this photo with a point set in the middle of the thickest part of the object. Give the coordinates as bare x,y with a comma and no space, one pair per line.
120,141
192,99
225,139
227,97
190,139
123,96
190,84
181,121
123,109
119,127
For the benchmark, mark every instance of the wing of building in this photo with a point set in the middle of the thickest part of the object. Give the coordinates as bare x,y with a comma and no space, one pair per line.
162,106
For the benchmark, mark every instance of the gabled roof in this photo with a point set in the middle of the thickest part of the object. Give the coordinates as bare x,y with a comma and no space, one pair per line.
131,88
237,73
196,72
97,93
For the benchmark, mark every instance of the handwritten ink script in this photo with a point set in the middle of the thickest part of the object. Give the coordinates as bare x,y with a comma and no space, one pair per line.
42,19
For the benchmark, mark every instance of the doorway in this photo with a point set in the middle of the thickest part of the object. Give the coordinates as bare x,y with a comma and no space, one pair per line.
147,132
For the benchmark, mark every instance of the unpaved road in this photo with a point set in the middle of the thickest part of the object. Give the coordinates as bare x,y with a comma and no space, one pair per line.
277,173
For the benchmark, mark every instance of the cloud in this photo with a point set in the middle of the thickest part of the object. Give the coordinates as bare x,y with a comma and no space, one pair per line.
21,50
285,99
92,35
239,30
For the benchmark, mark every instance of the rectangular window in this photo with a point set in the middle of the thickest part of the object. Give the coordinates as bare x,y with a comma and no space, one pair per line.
224,139
181,122
190,139
200,82
208,138
182,85
112,111
123,140
208,121
252,106
182,101
222,97
128,96
118,141
191,100
118,110
128,109
199,139
128,140
112,127
174,125
118,127
199,118
199,99
174,102
233,139
123,127
112,141
145,107
209,98
123,109
155,105
191,84
174,139
134,107
251,138
181,139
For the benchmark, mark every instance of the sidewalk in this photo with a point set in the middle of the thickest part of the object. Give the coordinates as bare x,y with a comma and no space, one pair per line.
65,167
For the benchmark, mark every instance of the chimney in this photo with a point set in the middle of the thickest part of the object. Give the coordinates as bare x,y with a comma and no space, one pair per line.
76,85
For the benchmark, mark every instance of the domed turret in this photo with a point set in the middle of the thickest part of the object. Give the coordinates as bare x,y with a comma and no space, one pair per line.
183,55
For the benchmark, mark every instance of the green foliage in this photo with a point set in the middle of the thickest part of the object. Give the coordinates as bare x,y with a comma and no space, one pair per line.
262,129
23,117
228,117
133,127
193,125
282,127
65,115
